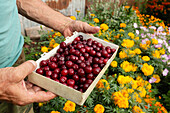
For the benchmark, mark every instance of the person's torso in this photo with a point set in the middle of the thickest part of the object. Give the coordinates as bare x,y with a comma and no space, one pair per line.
11,41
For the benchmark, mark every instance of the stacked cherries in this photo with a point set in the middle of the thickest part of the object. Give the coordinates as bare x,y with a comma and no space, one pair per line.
76,64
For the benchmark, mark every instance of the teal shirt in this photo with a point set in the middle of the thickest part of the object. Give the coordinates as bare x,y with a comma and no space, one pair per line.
11,40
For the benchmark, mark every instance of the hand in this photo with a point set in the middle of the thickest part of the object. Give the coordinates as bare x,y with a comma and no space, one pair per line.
79,26
14,89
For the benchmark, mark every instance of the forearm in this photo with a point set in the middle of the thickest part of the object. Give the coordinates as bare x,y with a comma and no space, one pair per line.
38,11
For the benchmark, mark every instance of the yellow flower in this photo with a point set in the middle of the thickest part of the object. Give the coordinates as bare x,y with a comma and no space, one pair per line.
92,15
73,17
99,108
134,84
156,54
44,49
131,35
114,64
55,112
77,11
69,106
55,45
154,41
127,43
137,38
117,36
148,85
145,58
131,53
122,25
126,66
58,34
136,109
101,83
40,104
157,78
104,27
121,30
122,54
142,92
138,99
124,79
143,46
134,67
147,69
137,51
106,40
162,51
96,20
120,100
127,7
52,42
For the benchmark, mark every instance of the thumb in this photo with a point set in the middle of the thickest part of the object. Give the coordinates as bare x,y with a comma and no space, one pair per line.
24,69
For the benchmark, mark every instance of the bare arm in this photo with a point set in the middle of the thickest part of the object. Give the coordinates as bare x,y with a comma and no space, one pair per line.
38,11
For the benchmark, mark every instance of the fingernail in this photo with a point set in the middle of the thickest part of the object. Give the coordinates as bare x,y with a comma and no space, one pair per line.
33,62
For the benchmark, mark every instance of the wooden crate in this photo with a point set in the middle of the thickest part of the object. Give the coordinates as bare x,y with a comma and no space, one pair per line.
63,90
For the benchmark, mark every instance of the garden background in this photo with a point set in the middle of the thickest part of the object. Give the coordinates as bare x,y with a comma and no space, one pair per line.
138,79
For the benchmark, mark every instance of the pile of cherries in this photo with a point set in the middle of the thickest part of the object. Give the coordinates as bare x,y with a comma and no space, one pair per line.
76,64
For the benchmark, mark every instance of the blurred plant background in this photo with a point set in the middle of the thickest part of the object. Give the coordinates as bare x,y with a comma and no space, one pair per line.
138,79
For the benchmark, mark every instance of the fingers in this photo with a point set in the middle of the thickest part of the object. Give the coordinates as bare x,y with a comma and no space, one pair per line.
24,69
86,28
42,96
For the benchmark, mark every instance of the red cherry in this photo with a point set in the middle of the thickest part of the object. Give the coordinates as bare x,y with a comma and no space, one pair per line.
48,73
105,61
74,42
94,42
72,51
82,50
96,70
56,80
85,87
77,39
63,79
81,90
90,76
95,65
82,65
69,64
87,49
73,58
63,45
64,72
100,61
96,60
104,53
71,71
86,55
109,51
76,77
80,72
82,80
98,54
89,40
79,46
102,65
75,87
53,59
75,67
60,50
97,49
87,63
89,81
54,76
99,45
92,53
63,67
61,58
46,68
77,53
89,43
113,50
81,58
40,71
81,37
88,69
52,65
60,63
43,63
70,82
57,70
64,84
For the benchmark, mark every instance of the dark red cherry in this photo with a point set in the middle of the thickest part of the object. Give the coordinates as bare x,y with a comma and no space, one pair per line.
88,69
57,70
48,73
69,64
63,45
64,72
96,70
80,72
43,63
63,79
71,71
54,76
40,71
